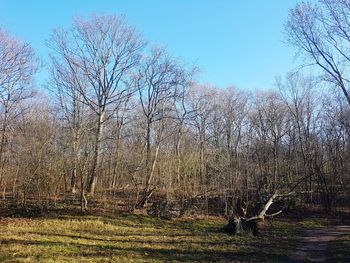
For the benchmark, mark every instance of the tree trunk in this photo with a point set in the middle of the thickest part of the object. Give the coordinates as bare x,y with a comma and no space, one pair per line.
73,182
242,225
3,145
97,156
147,193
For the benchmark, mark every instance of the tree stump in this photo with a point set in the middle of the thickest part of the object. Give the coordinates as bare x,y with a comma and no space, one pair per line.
240,225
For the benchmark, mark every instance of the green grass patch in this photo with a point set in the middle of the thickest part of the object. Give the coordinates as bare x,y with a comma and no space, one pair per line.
136,238
315,223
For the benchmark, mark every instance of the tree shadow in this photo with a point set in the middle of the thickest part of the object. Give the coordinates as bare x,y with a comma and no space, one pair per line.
115,239
163,254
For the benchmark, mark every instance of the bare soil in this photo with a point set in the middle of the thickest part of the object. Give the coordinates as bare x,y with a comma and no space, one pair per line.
314,244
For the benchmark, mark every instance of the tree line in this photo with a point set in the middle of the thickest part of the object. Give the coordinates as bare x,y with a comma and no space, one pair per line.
121,119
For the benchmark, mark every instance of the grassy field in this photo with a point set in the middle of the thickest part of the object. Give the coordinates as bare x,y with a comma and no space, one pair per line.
137,238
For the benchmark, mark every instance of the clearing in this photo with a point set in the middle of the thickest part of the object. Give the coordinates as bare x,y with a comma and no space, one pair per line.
137,238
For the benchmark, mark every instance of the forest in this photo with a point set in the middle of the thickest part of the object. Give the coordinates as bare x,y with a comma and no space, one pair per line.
123,130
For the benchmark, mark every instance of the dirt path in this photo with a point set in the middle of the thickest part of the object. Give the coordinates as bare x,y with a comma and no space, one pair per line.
314,243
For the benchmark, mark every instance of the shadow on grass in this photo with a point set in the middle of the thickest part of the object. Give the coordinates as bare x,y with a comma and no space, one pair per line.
139,239
164,254
339,250
145,238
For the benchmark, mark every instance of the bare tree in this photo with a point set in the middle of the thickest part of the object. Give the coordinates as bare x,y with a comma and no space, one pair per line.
157,81
234,107
202,104
102,50
71,109
321,32
269,123
18,64
300,99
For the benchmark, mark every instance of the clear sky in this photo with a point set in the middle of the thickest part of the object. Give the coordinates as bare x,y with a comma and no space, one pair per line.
234,42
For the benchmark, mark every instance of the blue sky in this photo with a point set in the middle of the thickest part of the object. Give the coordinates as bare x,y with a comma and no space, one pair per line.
234,42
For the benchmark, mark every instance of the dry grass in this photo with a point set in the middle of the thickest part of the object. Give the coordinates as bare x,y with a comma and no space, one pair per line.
137,238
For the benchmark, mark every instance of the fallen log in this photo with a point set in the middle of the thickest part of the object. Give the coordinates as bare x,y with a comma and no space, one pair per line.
242,225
